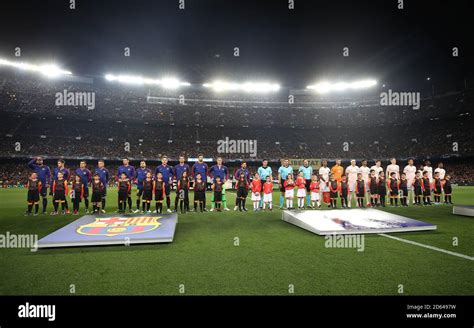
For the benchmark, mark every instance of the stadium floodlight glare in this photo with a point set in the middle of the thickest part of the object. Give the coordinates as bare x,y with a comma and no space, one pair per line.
49,70
168,83
325,87
257,87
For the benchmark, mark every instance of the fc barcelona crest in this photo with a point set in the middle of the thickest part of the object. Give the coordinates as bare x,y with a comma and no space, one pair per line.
116,226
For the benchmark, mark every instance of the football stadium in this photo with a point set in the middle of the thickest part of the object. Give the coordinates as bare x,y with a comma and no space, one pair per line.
283,154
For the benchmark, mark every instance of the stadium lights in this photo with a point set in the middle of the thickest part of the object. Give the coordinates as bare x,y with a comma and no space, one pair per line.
49,70
168,83
258,87
325,87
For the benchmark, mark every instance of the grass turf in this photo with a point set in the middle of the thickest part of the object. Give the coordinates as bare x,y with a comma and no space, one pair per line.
271,256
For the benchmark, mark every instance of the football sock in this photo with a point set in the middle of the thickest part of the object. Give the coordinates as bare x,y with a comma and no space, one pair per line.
45,204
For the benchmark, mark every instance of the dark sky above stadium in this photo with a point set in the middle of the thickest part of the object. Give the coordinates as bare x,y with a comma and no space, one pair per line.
293,47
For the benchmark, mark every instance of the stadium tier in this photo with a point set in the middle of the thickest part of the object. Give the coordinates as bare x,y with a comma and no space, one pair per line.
308,128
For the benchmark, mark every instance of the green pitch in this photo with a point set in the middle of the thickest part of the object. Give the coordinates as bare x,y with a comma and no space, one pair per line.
232,253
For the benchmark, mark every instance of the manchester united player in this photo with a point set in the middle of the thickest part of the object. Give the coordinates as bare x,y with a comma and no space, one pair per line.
324,172
377,167
427,168
351,172
365,171
410,172
393,167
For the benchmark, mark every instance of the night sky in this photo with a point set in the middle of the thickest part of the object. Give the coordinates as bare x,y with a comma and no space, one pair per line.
291,47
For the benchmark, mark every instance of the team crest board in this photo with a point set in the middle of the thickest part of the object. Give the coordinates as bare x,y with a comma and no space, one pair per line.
353,221
120,229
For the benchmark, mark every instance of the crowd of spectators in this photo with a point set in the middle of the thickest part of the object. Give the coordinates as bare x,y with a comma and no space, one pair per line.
143,122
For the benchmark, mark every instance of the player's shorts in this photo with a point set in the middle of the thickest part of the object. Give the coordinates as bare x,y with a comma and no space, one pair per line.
418,191
147,195
333,194
323,186
301,193
438,191
289,193
427,192
96,197
255,197
267,198
199,196
139,192
122,195
315,196
373,189
352,186
242,192
410,184
218,196
360,194
404,192
59,196
33,196
394,193
159,195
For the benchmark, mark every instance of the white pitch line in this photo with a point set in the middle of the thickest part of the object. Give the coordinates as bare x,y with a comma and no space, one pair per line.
471,258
